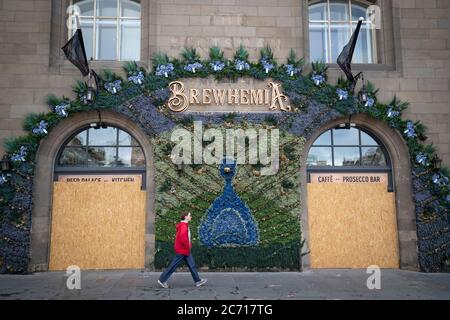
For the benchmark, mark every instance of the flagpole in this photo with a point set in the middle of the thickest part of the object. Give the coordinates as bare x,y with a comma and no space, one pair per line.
77,17
344,59
74,49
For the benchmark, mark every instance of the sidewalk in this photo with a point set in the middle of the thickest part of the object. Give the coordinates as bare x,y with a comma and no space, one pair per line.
313,284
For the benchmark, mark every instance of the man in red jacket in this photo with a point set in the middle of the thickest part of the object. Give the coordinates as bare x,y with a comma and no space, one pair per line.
182,252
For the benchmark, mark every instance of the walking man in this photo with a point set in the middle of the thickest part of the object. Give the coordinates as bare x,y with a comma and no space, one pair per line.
182,252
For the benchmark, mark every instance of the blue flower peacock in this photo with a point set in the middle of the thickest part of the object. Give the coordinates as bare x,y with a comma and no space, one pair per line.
228,221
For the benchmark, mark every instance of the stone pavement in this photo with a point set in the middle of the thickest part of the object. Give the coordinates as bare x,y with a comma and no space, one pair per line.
312,284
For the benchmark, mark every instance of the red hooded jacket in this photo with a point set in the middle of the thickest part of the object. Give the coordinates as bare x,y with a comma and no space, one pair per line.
182,243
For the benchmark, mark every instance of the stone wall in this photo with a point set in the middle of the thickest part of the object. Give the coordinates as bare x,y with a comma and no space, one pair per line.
32,31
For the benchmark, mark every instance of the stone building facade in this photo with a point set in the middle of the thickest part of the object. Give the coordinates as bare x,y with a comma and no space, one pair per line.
414,64
410,61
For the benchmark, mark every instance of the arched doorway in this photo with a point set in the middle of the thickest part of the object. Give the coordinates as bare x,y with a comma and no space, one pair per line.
47,169
98,211
351,201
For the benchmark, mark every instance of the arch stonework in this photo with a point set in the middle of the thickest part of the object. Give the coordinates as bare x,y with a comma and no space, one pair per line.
399,155
43,183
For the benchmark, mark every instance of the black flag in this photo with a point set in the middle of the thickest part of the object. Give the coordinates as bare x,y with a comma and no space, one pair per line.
345,58
75,52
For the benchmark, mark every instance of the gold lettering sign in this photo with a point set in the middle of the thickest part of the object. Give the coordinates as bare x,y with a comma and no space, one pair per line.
277,98
178,101
181,98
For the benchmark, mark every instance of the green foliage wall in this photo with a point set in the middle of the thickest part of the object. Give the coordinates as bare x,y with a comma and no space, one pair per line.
273,199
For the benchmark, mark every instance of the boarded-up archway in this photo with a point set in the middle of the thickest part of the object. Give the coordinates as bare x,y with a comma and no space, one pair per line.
352,226
352,220
98,225
46,176
98,214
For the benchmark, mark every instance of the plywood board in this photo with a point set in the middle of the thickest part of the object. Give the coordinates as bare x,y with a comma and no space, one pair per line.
98,225
352,226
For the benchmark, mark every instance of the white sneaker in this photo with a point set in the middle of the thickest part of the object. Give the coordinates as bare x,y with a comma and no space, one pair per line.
163,284
201,282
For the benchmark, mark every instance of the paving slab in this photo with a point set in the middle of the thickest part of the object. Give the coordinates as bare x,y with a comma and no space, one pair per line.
311,284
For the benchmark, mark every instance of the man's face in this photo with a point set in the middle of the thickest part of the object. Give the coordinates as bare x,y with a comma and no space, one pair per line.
188,217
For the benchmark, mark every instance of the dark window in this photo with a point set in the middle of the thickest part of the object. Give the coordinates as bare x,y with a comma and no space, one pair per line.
349,150
101,148
346,148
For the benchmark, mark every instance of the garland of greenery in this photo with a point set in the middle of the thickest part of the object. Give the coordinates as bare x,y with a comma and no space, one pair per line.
309,94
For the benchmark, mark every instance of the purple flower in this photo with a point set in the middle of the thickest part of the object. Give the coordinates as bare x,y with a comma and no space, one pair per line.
291,70
318,79
439,179
343,94
193,66
161,94
410,130
217,65
60,109
113,87
391,113
241,65
266,65
422,159
137,79
370,102
20,156
41,128
164,70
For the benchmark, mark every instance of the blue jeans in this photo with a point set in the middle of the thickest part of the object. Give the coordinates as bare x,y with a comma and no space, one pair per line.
175,263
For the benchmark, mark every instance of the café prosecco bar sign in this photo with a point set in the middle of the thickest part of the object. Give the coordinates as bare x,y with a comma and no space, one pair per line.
247,95
349,178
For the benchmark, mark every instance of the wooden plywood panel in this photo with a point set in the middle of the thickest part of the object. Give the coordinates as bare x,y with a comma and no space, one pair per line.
98,226
352,226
